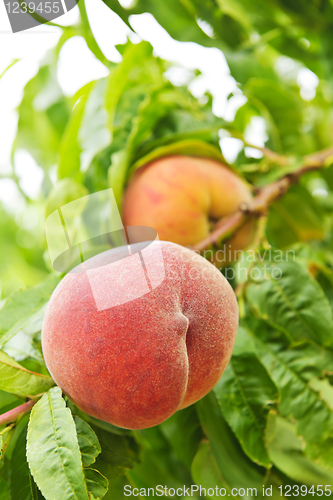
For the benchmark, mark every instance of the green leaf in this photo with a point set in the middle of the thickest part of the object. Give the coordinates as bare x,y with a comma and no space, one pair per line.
117,174
283,107
234,9
192,147
154,470
157,103
4,490
96,423
296,217
94,134
245,393
120,452
88,442
88,35
101,424
53,451
309,360
205,470
295,304
117,488
22,306
184,432
160,101
158,465
299,401
235,467
43,115
178,18
118,78
15,379
35,491
97,484
286,452
70,148
25,346
22,486
8,401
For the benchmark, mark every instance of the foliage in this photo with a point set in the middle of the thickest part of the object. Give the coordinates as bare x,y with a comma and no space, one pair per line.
270,418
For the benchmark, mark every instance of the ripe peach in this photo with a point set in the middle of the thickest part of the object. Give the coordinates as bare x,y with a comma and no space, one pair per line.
181,197
133,354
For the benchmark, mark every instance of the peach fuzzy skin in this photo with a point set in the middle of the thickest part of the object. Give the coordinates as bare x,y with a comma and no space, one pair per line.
136,364
180,196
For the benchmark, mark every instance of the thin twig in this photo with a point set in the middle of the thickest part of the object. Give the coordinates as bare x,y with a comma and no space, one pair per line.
272,156
19,411
7,429
269,154
223,229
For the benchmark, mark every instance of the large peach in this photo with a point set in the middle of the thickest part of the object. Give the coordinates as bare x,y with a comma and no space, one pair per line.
182,196
132,345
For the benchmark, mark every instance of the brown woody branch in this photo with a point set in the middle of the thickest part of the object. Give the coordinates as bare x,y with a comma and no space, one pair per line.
228,225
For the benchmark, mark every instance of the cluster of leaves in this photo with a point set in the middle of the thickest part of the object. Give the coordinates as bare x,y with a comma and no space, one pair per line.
269,419
253,37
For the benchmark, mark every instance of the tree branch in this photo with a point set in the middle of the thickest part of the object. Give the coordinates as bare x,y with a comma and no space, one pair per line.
229,224
19,411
